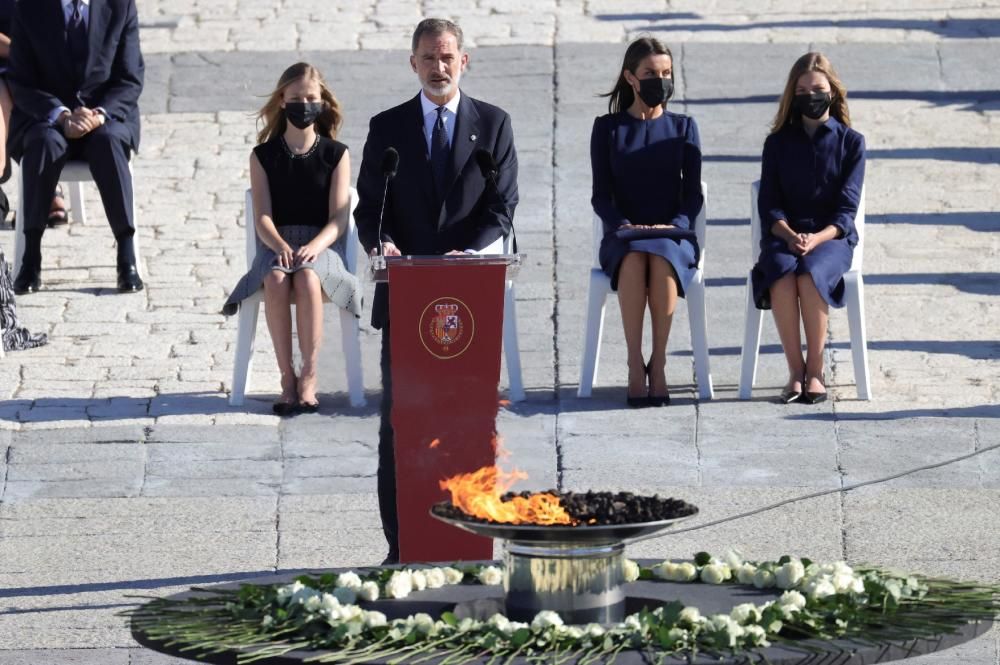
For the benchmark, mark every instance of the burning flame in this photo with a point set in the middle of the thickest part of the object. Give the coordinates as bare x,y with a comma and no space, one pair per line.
478,494
435,443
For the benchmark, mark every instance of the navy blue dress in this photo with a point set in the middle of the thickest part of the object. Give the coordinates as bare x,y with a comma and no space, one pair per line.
811,183
646,172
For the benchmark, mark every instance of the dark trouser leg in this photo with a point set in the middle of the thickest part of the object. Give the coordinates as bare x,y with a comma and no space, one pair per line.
387,456
45,154
106,149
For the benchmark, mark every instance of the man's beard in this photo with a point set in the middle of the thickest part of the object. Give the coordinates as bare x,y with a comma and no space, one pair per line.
442,89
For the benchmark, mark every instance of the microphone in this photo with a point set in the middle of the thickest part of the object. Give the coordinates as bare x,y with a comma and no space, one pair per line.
488,167
390,164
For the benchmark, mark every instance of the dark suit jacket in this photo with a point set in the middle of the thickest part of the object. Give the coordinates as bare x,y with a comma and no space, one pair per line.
41,73
472,215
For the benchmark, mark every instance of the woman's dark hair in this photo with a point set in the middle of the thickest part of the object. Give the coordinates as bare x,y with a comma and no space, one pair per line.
622,95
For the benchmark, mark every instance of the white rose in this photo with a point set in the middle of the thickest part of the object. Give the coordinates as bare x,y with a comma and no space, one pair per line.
345,595
857,585
821,588
369,591
686,572
423,622
595,630
665,570
894,588
545,619
572,632
287,591
715,573
733,559
631,570
842,582
418,579
501,623
329,602
790,574
467,624
453,575
349,580
757,636
374,619
267,621
633,623
723,623
435,578
745,573
763,579
792,599
313,603
490,576
690,615
399,585
745,613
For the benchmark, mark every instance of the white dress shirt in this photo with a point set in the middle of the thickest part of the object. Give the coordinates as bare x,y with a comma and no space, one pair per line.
449,115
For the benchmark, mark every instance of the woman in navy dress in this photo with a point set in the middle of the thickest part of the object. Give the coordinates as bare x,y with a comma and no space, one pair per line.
646,164
812,172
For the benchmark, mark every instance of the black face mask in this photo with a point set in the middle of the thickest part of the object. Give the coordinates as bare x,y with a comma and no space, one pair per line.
303,114
813,105
655,91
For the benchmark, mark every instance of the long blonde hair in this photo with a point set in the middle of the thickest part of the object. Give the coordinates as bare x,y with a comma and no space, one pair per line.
272,115
812,62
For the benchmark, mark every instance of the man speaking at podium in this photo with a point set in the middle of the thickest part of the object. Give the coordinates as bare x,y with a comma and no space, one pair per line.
431,158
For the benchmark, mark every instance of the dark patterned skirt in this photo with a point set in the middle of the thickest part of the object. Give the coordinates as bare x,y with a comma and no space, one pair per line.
339,285
13,336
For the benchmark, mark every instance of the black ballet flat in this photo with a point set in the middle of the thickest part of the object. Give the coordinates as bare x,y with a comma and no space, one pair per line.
637,402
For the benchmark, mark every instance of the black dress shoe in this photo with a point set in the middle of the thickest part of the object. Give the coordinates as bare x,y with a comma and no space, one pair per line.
128,279
28,280
391,559
308,407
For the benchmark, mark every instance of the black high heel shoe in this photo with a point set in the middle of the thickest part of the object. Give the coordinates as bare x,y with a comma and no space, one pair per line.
789,395
810,397
641,401
655,400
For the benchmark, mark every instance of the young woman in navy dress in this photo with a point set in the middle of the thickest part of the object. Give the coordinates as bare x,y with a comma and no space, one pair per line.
646,164
812,172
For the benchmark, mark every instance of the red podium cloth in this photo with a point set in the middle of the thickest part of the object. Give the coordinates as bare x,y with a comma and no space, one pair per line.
446,335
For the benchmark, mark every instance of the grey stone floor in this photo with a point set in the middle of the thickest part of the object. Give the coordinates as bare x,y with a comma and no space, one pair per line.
126,473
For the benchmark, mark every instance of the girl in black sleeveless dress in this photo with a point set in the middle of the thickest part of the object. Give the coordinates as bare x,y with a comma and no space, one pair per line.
300,181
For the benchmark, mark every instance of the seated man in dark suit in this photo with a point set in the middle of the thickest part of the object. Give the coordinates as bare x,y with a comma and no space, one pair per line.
439,202
76,73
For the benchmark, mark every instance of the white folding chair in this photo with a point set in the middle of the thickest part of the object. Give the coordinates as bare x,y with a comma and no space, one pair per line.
350,330
600,289
854,295
511,348
74,174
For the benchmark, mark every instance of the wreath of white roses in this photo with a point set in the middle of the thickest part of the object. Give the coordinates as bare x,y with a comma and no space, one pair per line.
818,603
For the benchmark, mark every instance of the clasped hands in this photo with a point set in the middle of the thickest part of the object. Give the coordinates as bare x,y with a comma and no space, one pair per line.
289,258
80,122
648,226
803,243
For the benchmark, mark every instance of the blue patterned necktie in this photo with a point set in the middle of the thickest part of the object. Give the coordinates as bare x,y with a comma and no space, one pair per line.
440,155
76,39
